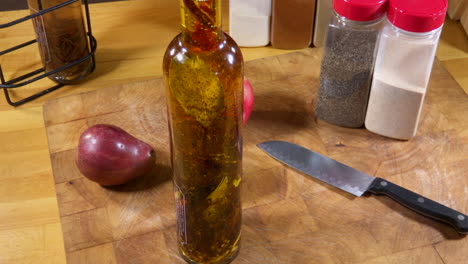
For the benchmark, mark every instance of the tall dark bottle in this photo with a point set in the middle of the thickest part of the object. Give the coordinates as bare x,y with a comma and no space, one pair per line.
62,39
203,72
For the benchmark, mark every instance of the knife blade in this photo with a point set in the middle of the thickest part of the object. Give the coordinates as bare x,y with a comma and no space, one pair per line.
356,182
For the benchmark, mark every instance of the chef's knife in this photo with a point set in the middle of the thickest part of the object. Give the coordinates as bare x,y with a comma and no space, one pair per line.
357,182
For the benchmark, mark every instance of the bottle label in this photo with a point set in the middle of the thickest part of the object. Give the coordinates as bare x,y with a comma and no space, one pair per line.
41,36
181,214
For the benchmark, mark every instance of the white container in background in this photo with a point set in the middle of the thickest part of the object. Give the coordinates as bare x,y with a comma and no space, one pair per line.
249,22
322,19
403,66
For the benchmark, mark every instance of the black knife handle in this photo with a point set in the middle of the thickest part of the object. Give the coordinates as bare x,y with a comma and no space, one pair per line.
421,204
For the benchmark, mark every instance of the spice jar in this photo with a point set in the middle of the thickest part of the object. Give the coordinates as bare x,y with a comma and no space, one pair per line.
403,66
62,39
348,60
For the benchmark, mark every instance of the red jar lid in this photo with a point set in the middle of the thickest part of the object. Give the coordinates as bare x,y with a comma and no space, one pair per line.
360,10
417,15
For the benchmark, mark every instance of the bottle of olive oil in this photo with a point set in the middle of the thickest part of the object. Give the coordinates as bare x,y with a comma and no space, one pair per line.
203,71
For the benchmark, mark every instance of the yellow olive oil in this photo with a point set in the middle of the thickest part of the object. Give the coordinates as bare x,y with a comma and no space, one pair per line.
203,72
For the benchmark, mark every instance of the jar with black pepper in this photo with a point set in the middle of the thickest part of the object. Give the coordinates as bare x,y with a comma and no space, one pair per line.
348,61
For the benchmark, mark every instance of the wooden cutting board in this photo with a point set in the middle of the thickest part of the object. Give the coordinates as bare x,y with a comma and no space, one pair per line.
287,217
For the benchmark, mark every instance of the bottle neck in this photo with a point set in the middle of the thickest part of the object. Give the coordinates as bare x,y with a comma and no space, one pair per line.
201,23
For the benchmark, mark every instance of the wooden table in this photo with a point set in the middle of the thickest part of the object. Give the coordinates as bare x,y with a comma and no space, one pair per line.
132,36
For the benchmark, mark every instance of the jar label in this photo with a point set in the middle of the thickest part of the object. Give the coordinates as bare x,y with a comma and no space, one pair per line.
181,214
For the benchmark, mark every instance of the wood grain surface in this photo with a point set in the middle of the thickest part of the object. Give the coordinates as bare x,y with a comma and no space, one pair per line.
287,216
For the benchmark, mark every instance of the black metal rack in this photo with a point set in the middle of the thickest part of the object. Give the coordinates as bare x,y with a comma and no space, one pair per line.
41,73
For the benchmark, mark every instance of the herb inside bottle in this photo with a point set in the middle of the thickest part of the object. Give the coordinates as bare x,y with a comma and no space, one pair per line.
203,72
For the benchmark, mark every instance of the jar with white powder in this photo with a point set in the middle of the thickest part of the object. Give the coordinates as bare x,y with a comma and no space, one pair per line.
403,66
249,22
348,61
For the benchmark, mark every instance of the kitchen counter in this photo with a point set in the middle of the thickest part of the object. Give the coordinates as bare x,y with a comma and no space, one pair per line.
132,36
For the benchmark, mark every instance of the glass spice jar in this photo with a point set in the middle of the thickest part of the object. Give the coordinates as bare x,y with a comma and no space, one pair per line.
348,61
203,73
62,39
403,66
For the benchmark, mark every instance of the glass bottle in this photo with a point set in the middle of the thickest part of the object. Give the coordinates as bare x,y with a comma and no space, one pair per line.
403,66
348,61
203,72
62,39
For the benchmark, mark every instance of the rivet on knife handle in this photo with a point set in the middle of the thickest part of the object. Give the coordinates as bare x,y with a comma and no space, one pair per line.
421,204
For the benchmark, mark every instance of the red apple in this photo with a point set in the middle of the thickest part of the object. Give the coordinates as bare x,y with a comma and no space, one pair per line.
109,155
248,100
